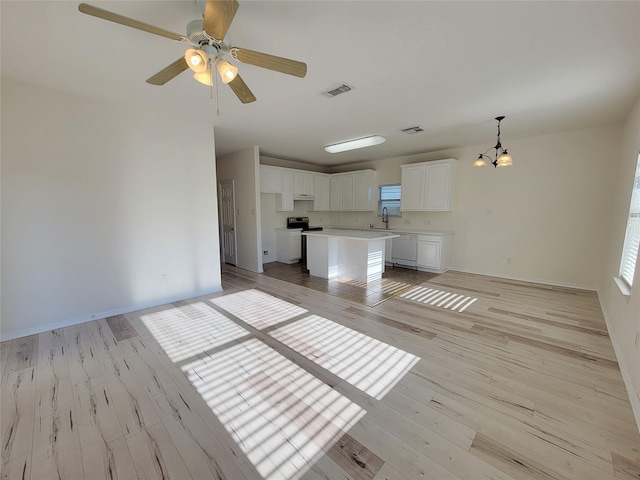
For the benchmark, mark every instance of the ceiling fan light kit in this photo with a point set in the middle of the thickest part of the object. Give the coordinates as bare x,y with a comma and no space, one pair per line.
207,47
197,60
501,157
205,77
356,143
227,71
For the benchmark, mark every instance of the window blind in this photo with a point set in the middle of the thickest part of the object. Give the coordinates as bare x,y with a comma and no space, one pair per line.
632,236
389,196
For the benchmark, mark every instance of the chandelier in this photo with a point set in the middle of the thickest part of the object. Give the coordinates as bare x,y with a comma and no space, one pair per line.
501,157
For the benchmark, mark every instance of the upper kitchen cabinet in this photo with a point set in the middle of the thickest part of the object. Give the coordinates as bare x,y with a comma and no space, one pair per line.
321,195
352,191
284,201
270,179
302,183
427,186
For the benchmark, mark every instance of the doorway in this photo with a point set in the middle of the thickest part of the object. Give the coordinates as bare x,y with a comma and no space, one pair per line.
228,219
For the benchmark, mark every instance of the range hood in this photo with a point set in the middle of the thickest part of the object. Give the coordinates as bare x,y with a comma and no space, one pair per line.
303,196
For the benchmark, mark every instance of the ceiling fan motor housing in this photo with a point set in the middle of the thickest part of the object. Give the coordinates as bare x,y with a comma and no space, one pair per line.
195,32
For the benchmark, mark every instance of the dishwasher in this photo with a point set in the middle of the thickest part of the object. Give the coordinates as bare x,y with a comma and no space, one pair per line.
404,250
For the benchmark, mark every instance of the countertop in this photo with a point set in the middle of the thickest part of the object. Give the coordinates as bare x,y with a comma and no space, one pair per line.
352,234
395,231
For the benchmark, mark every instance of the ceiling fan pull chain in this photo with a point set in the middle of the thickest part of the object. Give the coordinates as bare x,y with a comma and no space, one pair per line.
217,99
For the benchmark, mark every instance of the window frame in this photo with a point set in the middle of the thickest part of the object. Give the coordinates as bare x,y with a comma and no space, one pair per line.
631,243
398,200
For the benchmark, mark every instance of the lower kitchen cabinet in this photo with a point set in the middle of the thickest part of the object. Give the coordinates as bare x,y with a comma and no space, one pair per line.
434,252
289,245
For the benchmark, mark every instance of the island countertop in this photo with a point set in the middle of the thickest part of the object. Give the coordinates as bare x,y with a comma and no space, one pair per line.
366,235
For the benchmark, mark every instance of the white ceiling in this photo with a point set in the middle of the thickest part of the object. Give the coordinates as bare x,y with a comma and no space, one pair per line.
449,67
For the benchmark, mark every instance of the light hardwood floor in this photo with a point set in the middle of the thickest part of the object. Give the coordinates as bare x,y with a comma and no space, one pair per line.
468,377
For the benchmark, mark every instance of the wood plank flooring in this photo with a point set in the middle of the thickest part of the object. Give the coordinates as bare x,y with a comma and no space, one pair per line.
272,380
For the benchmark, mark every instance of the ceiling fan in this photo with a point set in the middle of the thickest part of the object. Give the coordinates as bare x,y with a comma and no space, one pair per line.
208,50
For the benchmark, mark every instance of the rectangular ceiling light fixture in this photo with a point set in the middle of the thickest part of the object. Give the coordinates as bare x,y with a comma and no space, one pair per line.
357,143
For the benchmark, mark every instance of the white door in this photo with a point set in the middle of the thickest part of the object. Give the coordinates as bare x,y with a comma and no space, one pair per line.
228,219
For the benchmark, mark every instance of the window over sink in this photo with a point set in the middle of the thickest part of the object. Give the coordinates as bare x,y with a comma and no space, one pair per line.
389,196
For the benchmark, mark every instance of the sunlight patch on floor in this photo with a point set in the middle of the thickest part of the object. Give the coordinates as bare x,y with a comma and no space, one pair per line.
258,309
185,332
440,298
281,416
366,363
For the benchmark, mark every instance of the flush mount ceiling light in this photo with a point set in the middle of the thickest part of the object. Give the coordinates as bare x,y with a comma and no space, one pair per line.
357,143
501,157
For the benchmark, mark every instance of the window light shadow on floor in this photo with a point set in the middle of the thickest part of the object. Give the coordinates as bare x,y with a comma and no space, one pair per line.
280,415
440,298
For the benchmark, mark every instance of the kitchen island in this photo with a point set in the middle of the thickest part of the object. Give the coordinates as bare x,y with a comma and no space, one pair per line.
357,255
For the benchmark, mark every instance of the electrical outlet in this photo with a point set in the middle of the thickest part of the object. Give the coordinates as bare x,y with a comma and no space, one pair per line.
427,221
489,211
163,278
509,260
265,252
407,221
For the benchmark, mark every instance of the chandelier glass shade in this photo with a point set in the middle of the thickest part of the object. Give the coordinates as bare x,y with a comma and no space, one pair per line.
501,157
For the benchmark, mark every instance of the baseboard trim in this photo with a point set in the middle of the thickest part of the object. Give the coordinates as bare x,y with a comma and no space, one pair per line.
634,397
99,315
590,288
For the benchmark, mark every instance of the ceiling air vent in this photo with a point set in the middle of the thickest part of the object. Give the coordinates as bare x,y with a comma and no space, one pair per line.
412,130
337,90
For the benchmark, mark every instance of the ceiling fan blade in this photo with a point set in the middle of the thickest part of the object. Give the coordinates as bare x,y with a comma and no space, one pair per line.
166,74
126,21
241,90
264,60
218,15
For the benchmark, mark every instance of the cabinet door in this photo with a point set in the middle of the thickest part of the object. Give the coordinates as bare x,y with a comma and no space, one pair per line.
284,202
429,252
321,188
364,191
335,188
270,179
303,183
412,180
295,246
348,185
438,186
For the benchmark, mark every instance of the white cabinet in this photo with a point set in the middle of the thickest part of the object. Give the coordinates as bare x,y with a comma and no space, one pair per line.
321,189
352,191
303,183
434,252
284,201
363,192
270,179
289,245
335,193
348,191
427,186
412,180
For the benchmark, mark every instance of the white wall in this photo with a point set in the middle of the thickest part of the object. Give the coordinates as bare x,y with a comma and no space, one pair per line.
548,213
99,201
244,168
623,312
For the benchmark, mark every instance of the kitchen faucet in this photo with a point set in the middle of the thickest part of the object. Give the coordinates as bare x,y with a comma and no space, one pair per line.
385,217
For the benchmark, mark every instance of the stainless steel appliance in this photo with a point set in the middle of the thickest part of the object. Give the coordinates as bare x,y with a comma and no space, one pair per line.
303,223
404,250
